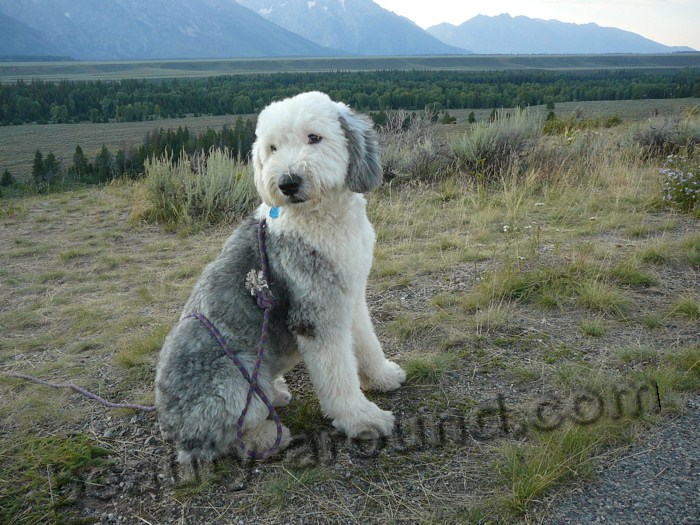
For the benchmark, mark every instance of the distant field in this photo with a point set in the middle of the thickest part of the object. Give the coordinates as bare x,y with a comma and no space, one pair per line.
628,110
115,70
18,143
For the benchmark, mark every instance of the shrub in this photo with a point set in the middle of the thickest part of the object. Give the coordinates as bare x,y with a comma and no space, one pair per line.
409,149
666,136
555,126
495,146
205,189
681,182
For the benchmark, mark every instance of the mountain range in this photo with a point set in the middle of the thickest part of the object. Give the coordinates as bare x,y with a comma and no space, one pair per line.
358,27
521,35
187,29
153,29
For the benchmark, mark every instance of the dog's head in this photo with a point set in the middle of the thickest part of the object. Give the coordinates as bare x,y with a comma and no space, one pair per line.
308,145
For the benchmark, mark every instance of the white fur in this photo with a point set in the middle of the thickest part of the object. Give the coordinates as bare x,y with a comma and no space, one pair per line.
345,350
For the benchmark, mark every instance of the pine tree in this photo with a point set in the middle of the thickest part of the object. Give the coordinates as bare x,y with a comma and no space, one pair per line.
103,164
79,163
38,169
119,164
51,167
7,179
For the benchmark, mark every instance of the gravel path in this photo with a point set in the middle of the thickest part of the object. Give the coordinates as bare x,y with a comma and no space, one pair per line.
656,482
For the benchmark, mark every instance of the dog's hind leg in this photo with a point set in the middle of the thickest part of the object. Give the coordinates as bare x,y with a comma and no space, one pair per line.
376,371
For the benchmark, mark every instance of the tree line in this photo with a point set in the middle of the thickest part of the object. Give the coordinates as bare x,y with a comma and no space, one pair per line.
132,100
49,170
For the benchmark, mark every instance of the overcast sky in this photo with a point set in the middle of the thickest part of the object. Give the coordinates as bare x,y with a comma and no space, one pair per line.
669,22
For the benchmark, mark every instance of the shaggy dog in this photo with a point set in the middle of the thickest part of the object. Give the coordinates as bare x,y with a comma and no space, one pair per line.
313,159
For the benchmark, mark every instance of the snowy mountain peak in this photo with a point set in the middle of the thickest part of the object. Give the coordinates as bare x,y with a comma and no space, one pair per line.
359,27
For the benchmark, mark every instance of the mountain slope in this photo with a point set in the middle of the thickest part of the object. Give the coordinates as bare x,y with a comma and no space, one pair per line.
504,34
157,29
359,27
19,39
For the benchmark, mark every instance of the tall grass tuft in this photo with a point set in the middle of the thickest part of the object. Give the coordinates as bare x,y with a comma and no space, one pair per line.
188,194
552,458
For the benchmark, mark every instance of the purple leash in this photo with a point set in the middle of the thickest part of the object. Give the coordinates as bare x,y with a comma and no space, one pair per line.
266,302
82,391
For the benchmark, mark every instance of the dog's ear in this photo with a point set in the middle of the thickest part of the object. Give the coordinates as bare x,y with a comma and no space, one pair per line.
365,168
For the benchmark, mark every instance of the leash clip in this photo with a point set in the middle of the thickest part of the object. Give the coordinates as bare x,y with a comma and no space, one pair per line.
257,286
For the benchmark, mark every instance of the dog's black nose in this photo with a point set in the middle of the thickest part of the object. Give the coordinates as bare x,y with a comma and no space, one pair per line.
289,184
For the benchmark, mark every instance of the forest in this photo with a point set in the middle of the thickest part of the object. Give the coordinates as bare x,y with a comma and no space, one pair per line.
70,101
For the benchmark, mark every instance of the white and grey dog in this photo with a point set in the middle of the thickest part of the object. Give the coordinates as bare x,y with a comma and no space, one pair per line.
313,159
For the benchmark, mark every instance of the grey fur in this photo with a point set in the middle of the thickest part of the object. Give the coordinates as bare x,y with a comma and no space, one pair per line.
200,393
364,170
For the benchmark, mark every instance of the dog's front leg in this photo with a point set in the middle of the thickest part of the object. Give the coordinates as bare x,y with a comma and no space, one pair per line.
332,366
376,371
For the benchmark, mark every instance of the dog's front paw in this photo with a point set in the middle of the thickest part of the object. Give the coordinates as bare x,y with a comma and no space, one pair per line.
389,377
367,422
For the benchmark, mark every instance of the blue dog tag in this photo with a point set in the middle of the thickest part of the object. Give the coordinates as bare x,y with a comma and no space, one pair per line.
275,212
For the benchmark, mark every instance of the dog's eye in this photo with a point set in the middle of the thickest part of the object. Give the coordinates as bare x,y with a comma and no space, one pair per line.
273,148
314,139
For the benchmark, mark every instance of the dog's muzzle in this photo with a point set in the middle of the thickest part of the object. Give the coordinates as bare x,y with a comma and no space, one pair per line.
289,184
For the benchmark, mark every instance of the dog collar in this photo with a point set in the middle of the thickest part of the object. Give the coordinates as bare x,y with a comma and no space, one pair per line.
274,212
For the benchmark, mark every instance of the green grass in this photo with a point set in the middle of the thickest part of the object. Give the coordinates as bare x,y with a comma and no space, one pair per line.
594,327
552,458
428,368
637,354
602,297
39,473
526,374
687,362
278,491
652,321
687,306
690,247
591,286
408,327
566,446
141,351
303,415
664,251
630,273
